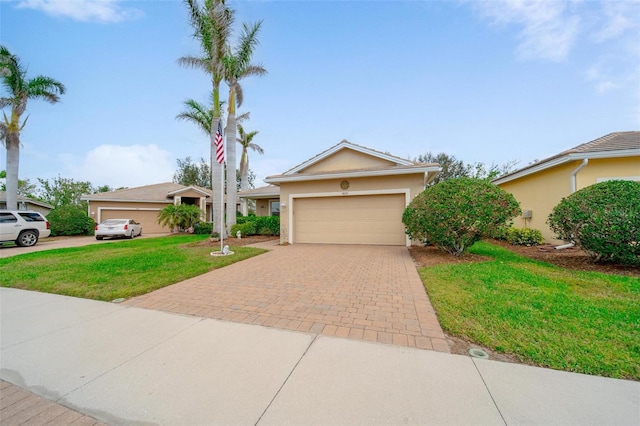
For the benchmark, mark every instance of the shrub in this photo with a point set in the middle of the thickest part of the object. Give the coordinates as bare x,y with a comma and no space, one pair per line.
203,228
456,213
70,220
257,225
246,229
604,219
523,236
267,225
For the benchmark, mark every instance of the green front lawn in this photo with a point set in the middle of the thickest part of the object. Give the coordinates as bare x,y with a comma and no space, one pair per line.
569,320
119,269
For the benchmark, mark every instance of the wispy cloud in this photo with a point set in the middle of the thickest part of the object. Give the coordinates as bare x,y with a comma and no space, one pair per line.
618,18
117,165
549,29
83,10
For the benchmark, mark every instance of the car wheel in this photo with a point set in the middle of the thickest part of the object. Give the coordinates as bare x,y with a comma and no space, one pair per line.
27,239
99,238
130,236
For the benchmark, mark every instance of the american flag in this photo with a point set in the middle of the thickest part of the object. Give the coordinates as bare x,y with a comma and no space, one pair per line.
219,144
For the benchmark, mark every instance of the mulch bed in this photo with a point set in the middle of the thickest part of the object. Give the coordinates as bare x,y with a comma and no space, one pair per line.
244,241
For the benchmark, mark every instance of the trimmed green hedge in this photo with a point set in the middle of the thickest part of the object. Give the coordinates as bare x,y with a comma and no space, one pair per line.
256,225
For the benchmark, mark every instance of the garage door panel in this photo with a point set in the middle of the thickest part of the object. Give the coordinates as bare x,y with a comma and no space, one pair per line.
148,218
368,219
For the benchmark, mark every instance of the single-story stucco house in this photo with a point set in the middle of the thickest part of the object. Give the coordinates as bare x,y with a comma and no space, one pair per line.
348,194
25,203
143,203
540,186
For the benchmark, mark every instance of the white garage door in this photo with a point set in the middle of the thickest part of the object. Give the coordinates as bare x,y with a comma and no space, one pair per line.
365,219
148,219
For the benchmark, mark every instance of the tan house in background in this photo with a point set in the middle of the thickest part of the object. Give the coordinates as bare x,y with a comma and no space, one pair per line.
540,186
25,203
347,194
143,203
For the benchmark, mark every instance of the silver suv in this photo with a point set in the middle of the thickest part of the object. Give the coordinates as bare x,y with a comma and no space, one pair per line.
23,227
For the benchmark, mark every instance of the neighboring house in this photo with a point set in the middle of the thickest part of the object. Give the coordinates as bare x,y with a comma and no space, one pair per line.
25,203
145,202
347,194
540,186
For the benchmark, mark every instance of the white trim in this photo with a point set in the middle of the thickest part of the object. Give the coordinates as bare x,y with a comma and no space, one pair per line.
343,145
188,188
405,191
631,178
564,159
353,174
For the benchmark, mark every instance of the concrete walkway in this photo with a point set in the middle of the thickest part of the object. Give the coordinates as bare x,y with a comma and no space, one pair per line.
362,292
125,365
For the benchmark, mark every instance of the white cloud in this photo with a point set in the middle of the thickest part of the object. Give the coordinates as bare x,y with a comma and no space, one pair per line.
549,29
123,166
83,10
619,17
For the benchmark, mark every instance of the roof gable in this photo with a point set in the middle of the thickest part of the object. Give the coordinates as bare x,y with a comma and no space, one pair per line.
347,156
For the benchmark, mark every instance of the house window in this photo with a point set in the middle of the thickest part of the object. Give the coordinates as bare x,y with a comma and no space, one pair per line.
275,208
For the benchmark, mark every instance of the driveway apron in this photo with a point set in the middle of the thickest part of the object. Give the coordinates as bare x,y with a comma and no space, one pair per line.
363,292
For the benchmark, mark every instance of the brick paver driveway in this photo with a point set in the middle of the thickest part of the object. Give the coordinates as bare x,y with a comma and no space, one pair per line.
363,292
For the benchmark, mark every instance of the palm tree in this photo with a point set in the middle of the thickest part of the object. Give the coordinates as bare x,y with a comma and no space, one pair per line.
20,90
198,114
245,140
237,65
212,27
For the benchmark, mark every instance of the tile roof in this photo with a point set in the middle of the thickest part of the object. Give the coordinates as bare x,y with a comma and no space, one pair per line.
263,190
618,142
150,193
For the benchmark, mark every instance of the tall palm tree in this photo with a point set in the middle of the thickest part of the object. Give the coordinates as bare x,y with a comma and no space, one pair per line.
20,89
237,65
211,24
245,140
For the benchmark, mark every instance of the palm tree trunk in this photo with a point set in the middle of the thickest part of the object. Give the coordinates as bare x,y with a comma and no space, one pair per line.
244,178
12,143
232,192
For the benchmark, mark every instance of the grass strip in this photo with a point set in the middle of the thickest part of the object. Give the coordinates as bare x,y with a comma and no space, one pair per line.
585,322
109,271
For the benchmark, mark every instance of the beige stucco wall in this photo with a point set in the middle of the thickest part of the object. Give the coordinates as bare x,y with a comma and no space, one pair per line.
412,184
347,159
541,192
262,206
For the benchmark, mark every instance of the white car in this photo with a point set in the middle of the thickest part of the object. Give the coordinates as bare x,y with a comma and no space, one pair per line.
24,227
127,228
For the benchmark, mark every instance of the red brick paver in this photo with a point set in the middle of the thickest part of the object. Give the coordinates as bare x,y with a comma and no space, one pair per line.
369,293
21,407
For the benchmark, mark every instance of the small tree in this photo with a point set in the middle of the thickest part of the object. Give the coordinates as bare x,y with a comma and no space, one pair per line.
181,216
456,213
604,219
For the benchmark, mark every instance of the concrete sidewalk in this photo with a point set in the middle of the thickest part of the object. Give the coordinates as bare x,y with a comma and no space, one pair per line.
125,365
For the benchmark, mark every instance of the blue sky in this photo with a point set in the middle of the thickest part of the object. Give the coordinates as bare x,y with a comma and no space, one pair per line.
487,82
